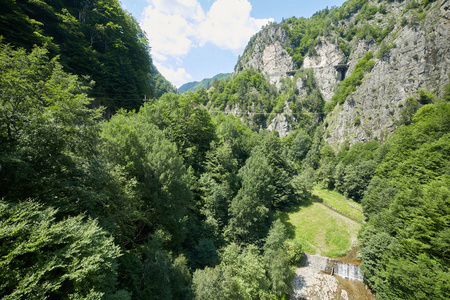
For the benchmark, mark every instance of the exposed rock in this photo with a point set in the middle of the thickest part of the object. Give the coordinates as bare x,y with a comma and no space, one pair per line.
313,280
314,286
418,59
282,123
267,55
328,55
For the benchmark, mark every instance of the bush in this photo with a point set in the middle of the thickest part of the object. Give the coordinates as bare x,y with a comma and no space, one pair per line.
295,252
45,258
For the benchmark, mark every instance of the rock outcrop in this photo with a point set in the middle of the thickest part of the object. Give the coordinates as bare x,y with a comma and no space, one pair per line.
419,60
315,280
328,55
415,54
266,54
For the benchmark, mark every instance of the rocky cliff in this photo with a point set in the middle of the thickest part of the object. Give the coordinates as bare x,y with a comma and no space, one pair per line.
413,54
266,54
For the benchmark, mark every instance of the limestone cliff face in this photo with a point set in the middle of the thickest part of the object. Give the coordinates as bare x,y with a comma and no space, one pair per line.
418,58
266,54
328,55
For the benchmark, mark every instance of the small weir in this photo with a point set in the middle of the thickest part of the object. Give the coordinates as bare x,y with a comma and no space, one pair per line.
333,267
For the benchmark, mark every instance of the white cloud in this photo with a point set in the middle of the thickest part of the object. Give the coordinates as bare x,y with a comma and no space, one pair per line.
168,34
177,76
188,9
174,27
229,25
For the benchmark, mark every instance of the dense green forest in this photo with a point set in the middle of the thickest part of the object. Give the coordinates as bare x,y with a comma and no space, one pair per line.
174,199
95,207
96,40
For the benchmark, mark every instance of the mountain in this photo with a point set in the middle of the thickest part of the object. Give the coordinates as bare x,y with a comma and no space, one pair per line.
389,50
205,83
218,193
96,40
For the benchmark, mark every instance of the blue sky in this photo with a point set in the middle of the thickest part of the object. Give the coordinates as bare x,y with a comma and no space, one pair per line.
195,39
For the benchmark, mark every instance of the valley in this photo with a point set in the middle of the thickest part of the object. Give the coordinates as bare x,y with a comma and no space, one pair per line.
260,184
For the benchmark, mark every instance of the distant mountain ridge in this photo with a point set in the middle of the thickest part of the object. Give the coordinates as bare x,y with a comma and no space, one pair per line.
195,85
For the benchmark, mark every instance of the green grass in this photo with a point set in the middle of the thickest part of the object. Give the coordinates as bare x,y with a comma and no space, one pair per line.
321,230
339,202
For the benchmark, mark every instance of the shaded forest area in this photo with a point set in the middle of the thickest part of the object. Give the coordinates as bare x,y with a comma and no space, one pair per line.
175,202
96,40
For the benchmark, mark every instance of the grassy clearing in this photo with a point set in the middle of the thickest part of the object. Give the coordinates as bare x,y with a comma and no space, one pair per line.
321,230
339,202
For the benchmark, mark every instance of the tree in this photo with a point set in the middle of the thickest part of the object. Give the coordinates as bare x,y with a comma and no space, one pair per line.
42,257
300,146
93,38
303,185
283,169
137,146
404,246
250,209
357,178
48,134
277,260
240,275
184,122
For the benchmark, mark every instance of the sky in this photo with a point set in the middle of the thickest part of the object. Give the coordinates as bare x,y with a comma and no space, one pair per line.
195,39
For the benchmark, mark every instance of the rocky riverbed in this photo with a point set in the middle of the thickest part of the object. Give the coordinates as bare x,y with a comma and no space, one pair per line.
313,283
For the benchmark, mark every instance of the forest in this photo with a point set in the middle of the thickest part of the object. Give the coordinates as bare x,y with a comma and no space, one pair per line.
113,191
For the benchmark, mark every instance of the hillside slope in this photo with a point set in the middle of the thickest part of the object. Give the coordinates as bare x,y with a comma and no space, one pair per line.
327,226
409,42
205,83
96,40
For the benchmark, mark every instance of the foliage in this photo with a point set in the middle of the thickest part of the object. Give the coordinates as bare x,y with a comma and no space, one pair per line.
283,169
242,272
277,259
250,209
294,251
357,178
407,203
132,180
185,122
303,185
248,90
48,136
151,161
43,257
173,202
242,276
384,50
94,38
300,146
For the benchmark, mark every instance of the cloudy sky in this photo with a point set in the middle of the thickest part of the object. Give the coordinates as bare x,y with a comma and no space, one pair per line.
195,39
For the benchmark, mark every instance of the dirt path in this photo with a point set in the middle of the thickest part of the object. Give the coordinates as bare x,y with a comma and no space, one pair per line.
340,212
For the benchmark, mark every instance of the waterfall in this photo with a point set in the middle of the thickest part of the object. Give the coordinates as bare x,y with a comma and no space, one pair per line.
347,270
334,267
